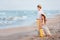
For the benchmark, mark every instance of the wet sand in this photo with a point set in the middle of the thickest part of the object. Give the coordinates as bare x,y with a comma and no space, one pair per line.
31,32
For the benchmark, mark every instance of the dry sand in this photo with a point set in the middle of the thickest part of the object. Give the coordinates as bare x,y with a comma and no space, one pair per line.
31,33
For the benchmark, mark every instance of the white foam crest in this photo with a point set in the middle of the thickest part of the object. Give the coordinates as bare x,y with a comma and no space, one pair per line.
17,18
20,18
11,19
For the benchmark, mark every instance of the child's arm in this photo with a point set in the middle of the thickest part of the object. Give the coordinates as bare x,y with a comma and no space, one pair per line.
43,21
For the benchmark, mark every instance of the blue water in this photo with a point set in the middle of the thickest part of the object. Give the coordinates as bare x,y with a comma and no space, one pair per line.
9,19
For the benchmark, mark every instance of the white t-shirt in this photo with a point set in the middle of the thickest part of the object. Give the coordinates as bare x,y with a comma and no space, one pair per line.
39,14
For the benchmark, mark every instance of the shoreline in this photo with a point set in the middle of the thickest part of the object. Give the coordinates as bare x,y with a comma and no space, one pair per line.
49,21
31,31
49,18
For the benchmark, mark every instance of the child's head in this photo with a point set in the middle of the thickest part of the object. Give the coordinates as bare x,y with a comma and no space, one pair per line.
43,17
39,7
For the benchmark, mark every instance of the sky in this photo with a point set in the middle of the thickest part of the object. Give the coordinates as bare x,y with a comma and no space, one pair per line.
29,4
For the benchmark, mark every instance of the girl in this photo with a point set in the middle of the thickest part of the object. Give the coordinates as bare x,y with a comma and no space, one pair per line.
46,30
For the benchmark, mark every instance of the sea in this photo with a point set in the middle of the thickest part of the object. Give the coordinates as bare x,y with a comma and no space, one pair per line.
21,18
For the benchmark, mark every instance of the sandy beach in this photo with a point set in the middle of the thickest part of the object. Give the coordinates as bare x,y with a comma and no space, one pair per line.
31,32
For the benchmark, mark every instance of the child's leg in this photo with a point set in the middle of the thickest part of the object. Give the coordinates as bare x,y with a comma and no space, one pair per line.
47,31
39,24
41,33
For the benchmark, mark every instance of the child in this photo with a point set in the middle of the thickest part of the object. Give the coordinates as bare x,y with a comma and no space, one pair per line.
41,21
46,30
39,16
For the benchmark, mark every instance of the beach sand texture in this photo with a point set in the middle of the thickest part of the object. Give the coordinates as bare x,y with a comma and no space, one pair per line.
31,33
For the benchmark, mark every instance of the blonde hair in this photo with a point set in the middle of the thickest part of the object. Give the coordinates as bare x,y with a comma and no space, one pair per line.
39,6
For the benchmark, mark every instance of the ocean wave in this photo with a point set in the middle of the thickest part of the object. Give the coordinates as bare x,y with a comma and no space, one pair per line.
13,18
17,18
10,19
